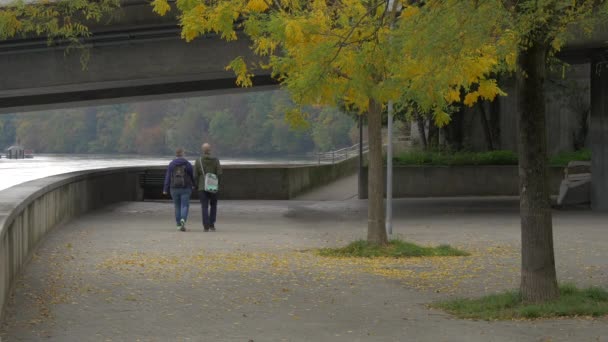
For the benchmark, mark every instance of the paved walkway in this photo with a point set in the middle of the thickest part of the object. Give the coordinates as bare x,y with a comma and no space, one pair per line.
125,274
340,190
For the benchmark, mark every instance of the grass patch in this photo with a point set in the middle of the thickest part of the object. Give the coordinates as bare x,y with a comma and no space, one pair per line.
479,158
394,249
456,158
573,302
562,159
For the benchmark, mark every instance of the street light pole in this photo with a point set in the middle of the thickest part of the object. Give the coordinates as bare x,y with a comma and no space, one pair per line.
360,156
389,172
392,7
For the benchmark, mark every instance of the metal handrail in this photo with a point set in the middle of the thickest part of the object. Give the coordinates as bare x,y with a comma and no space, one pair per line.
340,154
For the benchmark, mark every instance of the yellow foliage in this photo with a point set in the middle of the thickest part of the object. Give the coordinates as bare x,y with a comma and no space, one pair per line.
488,89
453,96
243,76
257,5
294,34
471,98
161,6
441,118
296,118
193,23
265,46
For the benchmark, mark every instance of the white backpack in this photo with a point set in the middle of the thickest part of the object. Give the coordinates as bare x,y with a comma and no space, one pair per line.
211,180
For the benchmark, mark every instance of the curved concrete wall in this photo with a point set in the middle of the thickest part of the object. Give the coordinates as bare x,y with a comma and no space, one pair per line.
28,211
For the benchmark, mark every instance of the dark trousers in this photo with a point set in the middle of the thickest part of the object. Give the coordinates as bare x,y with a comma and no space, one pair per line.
208,199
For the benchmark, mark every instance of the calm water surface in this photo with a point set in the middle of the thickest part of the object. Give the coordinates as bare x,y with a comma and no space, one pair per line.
13,172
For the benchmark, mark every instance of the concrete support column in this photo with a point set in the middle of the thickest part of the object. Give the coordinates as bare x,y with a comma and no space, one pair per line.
599,134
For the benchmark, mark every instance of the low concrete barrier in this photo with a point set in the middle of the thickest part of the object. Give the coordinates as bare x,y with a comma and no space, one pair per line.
263,182
451,181
28,211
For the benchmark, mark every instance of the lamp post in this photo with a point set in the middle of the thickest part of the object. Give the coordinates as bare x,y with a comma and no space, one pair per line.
360,156
389,171
393,8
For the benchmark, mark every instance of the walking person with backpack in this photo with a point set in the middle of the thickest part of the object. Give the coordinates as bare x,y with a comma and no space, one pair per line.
207,173
179,181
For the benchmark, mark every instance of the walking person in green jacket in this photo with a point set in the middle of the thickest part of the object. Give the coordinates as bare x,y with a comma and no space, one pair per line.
207,173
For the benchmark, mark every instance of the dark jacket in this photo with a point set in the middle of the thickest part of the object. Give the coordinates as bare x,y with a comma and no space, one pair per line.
211,165
175,162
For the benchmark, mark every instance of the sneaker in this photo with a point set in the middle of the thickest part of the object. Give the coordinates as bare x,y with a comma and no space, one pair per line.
205,228
182,225
212,228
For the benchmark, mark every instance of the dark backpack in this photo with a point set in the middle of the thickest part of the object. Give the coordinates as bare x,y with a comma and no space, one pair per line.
179,176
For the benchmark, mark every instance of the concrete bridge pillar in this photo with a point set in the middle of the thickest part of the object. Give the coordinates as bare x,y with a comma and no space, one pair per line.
599,133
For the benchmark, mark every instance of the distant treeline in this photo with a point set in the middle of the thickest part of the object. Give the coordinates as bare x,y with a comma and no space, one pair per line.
237,125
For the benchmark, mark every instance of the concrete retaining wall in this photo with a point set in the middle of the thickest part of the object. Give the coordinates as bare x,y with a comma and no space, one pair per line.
265,182
447,181
28,211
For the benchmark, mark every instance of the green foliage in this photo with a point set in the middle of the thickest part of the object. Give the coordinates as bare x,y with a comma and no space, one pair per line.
572,302
247,124
456,158
7,130
331,130
562,159
224,128
395,249
480,158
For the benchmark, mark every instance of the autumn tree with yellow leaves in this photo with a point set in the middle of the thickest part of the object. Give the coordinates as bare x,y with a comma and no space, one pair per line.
534,31
348,53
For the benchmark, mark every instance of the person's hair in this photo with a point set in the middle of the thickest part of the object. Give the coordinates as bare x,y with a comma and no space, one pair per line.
179,152
206,147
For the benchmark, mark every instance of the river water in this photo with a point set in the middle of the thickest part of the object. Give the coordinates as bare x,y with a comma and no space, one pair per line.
17,171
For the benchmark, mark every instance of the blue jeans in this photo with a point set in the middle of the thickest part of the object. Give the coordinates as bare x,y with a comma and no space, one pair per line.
181,200
207,199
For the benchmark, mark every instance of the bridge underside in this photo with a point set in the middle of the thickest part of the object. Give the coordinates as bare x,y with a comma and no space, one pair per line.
130,93
139,56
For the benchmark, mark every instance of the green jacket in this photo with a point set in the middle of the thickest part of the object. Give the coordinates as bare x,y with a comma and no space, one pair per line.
211,165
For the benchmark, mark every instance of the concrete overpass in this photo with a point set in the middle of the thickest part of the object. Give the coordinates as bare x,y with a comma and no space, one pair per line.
139,55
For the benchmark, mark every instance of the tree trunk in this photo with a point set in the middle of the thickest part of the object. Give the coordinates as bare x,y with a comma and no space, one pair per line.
420,123
432,140
486,127
376,230
495,123
582,129
538,276
454,131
